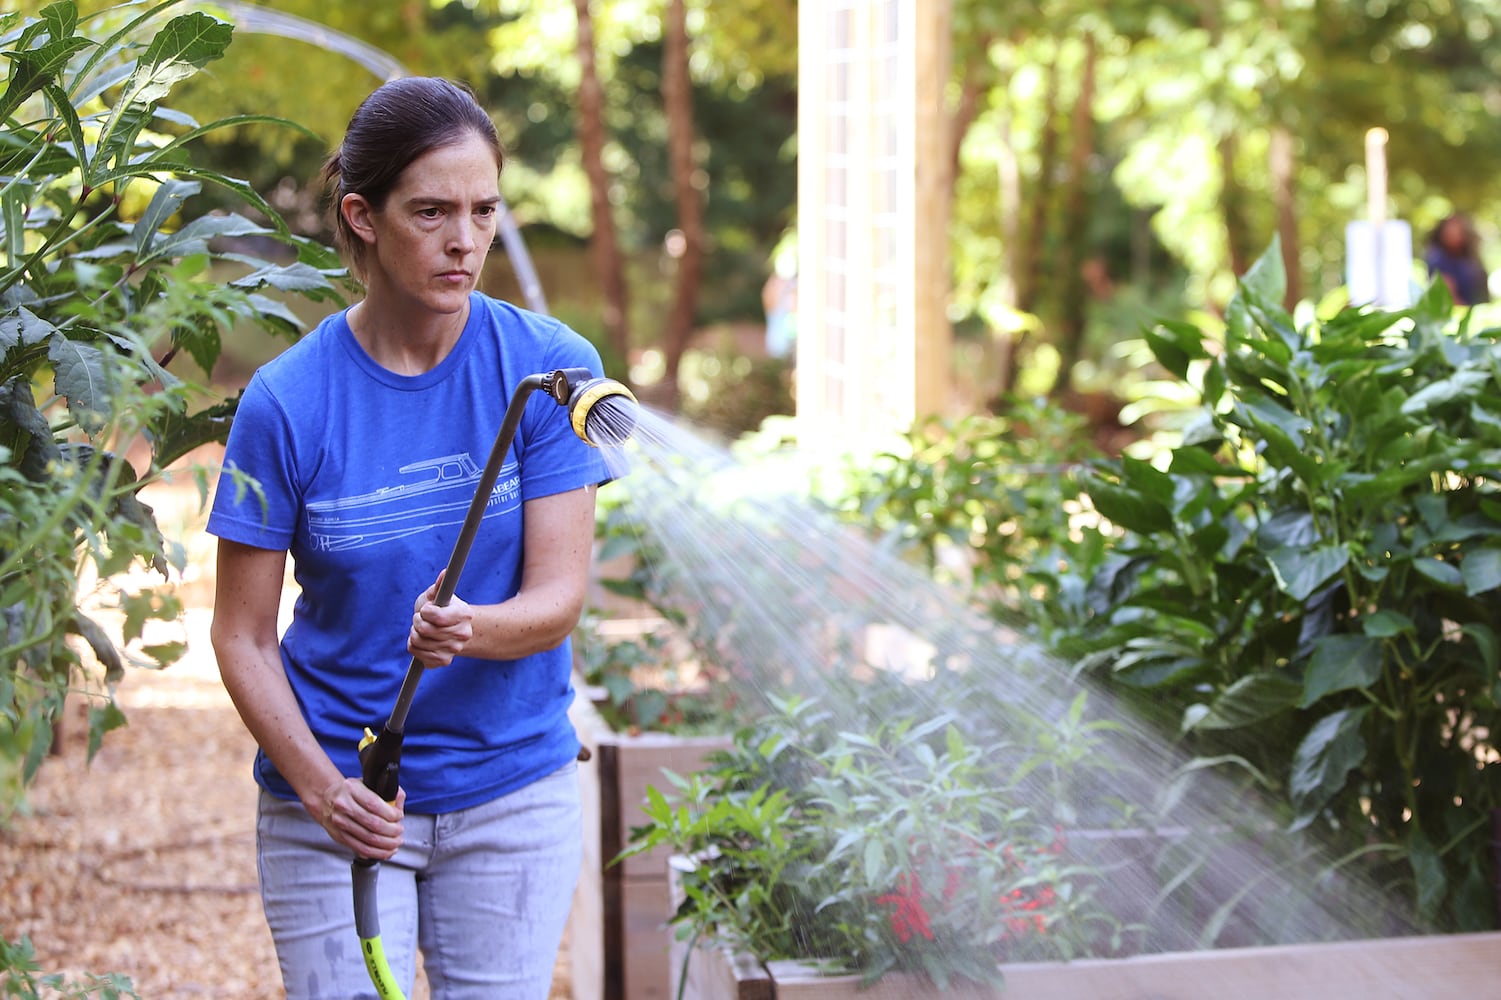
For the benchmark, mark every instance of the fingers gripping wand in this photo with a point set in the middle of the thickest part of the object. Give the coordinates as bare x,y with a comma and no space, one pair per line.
602,413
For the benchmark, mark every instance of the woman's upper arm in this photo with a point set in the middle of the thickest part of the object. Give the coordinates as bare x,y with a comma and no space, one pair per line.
559,542
247,596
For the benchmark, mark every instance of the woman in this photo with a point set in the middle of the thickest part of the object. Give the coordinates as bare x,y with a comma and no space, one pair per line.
362,441
1453,254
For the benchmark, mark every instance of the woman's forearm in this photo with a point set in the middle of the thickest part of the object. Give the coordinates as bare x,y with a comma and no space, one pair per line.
532,621
257,684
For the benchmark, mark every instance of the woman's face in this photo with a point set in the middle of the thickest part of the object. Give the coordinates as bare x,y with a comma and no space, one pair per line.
426,246
1452,236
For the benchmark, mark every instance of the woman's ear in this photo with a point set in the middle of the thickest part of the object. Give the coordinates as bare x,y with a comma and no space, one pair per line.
359,215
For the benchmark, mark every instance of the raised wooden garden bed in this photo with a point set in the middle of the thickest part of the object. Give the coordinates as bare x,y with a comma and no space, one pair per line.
1460,966
1434,967
618,938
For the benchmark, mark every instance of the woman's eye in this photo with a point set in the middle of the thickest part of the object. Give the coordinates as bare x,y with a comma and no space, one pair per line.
429,213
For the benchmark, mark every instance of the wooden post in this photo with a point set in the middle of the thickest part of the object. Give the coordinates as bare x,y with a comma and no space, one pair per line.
932,334
1375,174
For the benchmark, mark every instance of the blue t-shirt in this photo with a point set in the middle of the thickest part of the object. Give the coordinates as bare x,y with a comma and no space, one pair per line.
365,476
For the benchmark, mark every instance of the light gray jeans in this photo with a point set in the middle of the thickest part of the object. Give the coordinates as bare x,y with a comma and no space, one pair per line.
484,892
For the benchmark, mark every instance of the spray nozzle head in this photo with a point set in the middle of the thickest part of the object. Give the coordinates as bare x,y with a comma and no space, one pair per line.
601,410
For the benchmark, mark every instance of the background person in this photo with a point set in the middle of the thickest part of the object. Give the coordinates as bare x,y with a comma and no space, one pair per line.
364,439
1453,253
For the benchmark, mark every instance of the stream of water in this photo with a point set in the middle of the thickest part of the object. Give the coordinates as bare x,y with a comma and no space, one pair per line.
799,603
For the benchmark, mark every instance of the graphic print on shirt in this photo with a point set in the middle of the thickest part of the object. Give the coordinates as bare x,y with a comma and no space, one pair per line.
435,493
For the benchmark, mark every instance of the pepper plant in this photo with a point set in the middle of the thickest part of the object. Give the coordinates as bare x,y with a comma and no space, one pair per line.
900,843
105,280
1310,582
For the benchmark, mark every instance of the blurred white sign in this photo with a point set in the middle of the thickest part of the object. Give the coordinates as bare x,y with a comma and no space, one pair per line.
1379,272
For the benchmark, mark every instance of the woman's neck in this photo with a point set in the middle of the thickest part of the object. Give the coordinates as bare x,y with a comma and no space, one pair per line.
401,342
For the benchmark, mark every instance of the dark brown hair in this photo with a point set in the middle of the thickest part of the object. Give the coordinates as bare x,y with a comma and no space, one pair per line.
400,121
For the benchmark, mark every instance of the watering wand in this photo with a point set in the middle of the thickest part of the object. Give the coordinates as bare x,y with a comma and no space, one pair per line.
602,413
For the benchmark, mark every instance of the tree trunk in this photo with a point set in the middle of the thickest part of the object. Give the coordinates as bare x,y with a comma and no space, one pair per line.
1073,313
604,248
1233,209
1283,165
1283,168
677,100
972,90
1232,194
1009,191
1032,249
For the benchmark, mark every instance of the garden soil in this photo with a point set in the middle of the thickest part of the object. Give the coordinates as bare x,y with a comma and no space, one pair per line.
143,863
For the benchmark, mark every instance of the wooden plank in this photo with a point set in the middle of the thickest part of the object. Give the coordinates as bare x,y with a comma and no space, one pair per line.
717,974
639,761
1415,968
618,937
646,940
586,946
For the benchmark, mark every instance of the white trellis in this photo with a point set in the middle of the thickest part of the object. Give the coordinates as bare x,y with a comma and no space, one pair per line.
873,337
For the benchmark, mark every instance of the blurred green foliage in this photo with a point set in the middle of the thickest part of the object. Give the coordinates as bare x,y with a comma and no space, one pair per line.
106,280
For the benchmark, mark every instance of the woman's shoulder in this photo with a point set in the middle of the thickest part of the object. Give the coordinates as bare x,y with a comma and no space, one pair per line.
507,317
309,356
532,332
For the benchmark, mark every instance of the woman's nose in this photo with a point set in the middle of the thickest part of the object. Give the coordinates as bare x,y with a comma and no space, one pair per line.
461,235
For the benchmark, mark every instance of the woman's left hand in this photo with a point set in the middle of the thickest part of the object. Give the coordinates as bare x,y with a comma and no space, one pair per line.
439,633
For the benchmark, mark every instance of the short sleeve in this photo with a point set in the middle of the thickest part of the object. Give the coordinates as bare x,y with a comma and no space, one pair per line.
556,459
257,499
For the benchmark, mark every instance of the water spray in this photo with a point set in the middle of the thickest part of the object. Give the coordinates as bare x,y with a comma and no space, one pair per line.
603,413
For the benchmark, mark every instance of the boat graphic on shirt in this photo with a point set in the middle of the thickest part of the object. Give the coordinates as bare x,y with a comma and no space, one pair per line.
432,493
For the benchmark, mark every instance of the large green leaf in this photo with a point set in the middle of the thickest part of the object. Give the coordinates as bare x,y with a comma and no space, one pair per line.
296,277
23,328
178,50
186,44
1386,623
1323,761
33,69
1287,528
1340,663
1481,570
1428,872
1301,570
165,203
1249,700
1442,573
173,434
1460,384
1283,451
100,643
1198,461
1267,280
1129,508
25,431
82,377
1489,645
1175,344
1146,479
194,237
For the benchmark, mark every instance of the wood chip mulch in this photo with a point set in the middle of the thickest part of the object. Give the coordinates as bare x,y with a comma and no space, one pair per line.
144,863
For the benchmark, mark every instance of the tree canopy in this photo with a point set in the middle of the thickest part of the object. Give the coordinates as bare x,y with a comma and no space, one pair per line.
1111,160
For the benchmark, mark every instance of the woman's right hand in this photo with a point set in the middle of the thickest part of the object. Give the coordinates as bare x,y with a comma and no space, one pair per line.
357,818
